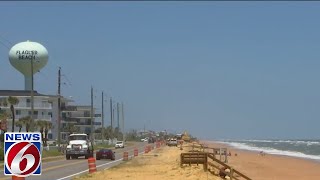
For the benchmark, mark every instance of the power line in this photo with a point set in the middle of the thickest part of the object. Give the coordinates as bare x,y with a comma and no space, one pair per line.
11,43
4,45
66,78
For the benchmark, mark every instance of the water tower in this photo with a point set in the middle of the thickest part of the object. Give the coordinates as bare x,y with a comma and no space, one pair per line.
23,55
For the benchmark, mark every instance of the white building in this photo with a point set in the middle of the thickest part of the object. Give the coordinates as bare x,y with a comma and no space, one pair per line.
79,116
46,108
42,107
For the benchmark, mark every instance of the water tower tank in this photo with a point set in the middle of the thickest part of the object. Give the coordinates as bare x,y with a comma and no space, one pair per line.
21,55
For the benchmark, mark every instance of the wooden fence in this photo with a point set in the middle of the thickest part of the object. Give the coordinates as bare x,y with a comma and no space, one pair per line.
213,159
194,158
221,166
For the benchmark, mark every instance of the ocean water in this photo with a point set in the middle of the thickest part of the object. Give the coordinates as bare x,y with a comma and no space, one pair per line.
308,149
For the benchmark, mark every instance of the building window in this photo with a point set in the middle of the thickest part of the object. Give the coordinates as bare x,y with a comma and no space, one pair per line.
18,112
50,114
87,114
87,130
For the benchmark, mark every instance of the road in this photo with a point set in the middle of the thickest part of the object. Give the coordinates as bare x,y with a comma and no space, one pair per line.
63,169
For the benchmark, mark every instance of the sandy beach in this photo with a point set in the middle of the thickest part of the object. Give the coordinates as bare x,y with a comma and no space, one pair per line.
164,163
270,167
159,164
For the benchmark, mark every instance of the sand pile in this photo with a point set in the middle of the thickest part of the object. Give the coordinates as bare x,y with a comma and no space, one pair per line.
159,164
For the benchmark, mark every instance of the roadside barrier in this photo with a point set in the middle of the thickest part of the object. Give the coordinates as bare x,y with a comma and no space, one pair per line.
135,152
125,156
17,178
92,165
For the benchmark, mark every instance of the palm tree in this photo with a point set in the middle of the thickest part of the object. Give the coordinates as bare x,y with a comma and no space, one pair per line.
19,124
3,118
13,101
71,128
41,124
47,127
26,121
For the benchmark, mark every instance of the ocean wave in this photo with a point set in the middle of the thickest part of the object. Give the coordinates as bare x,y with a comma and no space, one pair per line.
269,150
307,142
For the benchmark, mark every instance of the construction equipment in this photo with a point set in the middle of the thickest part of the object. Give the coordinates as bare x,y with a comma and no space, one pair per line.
186,137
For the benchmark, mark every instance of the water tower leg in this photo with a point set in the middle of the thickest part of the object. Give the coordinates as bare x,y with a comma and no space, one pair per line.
27,83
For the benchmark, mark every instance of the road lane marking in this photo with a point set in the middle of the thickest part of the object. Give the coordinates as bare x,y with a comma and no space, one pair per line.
96,166
51,168
78,162
45,163
59,166
87,169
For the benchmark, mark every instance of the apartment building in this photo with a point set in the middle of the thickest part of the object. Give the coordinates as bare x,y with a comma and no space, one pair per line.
78,116
46,108
42,107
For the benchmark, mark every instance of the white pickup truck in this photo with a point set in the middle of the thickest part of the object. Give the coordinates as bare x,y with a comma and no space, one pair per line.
79,145
172,142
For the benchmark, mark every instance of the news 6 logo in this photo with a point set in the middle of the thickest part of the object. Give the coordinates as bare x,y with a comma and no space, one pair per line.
22,154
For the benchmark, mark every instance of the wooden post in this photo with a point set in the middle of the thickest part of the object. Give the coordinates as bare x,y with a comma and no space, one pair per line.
220,153
205,164
226,156
231,173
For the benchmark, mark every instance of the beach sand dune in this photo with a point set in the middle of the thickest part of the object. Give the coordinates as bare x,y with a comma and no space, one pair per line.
159,164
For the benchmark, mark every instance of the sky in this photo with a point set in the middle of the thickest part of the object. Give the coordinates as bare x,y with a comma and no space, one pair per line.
220,70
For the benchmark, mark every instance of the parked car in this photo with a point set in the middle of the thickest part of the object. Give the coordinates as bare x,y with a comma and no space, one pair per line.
105,154
172,142
144,140
119,144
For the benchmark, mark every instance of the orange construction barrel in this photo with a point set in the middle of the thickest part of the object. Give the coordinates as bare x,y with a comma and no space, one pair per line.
17,178
135,152
92,165
125,156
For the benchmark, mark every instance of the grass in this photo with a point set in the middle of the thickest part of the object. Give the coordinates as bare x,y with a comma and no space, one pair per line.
101,146
51,153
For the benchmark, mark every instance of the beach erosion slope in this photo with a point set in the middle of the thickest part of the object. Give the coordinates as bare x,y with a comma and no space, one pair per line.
270,167
159,164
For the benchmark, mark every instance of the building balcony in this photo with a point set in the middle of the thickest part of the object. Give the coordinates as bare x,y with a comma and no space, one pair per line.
28,106
88,124
37,117
68,108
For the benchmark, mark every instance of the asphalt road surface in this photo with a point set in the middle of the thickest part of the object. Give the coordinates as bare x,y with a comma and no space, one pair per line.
63,169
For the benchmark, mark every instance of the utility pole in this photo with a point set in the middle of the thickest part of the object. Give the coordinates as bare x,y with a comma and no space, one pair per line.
123,132
118,118
91,114
111,116
102,119
32,125
59,109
